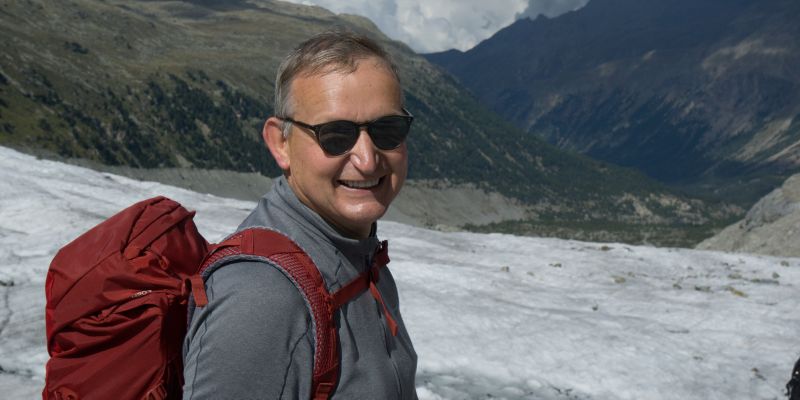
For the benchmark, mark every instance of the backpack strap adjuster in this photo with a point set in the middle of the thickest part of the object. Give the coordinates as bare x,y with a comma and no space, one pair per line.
198,288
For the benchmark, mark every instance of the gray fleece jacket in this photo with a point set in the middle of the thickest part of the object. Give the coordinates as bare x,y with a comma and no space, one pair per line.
254,339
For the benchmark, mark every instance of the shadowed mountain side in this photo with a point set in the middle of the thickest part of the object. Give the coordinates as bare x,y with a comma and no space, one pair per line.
701,94
771,227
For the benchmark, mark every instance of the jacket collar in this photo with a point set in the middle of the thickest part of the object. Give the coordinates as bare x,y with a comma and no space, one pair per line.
356,250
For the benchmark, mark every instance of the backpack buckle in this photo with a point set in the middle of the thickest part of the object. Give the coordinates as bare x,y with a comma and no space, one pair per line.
323,391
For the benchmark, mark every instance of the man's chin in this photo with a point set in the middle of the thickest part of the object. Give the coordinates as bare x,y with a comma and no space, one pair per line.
362,216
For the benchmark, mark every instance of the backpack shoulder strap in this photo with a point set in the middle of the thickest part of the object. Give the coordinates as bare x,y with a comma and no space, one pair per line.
265,244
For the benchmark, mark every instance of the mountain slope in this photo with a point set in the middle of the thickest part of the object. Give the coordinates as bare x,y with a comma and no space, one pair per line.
188,84
690,92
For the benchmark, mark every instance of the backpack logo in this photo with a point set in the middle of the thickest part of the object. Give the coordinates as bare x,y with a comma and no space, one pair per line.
140,294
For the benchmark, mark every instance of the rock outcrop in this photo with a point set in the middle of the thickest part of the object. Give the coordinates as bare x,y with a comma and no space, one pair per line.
771,227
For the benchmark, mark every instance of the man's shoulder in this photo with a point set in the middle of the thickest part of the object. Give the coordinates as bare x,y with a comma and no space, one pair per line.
257,282
254,332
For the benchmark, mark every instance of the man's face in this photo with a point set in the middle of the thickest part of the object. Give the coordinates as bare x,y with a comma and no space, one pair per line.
350,191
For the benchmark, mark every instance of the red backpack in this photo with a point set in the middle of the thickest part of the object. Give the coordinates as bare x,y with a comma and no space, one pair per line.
118,295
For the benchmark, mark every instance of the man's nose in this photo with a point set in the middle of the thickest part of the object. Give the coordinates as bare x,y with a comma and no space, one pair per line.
364,155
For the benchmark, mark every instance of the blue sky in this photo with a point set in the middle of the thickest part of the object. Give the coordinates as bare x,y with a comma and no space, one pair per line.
437,25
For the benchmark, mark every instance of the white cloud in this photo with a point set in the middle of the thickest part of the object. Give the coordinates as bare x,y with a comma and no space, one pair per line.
436,25
551,8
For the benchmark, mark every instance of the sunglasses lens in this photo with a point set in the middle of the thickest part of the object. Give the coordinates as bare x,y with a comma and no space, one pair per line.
338,137
389,132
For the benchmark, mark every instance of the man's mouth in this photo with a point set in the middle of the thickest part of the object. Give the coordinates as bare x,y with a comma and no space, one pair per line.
369,184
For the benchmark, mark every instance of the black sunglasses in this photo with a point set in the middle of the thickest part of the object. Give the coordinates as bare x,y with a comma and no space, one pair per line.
338,137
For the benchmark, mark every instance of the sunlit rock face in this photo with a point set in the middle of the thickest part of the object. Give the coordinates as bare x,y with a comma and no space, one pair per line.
771,227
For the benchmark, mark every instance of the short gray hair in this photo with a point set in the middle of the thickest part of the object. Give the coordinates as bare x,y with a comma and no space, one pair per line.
327,52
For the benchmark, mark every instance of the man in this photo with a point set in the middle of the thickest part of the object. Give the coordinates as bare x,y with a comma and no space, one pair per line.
254,339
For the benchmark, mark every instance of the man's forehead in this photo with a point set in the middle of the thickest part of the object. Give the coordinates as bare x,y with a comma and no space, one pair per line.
369,91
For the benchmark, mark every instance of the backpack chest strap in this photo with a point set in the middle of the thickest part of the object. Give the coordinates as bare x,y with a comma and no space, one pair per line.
368,280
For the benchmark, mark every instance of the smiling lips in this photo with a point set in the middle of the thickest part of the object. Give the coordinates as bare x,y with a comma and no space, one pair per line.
361,184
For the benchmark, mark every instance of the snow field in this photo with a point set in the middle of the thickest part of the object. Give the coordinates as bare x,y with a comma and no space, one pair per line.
491,316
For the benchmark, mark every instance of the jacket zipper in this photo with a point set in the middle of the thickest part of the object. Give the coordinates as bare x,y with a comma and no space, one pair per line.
386,337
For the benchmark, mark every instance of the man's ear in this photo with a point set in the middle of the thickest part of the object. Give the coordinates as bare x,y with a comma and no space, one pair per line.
277,144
